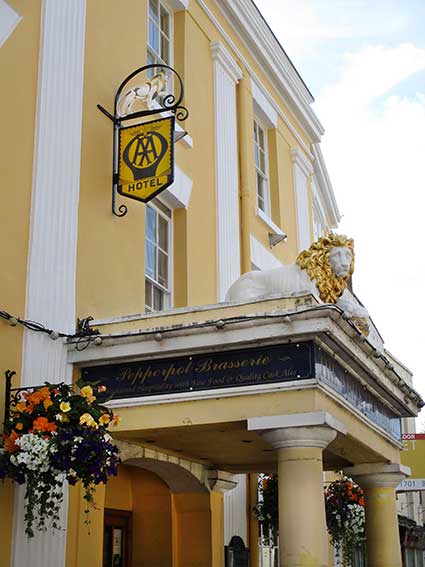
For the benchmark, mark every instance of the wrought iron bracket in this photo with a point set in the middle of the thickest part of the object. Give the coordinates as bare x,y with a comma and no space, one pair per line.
167,103
13,395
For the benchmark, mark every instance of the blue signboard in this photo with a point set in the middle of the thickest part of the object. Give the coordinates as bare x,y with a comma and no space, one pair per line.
207,371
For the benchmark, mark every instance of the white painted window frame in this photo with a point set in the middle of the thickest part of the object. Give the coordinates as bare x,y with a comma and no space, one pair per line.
266,115
149,50
169,298
258,124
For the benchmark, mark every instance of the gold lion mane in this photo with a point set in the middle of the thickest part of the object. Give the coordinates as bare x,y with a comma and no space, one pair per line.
315,261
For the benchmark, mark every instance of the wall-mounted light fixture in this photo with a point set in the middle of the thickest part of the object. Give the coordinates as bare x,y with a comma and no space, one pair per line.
275,238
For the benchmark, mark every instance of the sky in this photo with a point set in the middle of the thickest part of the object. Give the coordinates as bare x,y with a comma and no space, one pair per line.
364,63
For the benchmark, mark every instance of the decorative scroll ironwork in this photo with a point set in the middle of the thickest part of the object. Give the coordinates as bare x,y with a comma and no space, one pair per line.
13,395
150,92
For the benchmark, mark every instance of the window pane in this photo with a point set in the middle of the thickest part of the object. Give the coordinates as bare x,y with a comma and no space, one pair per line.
151,61
165,49
255,133
150,260
158,299
261,204
162,269
257,155
262,162
165,22
162,233
260,186
261,137
153,9
148,294
153,36
151,223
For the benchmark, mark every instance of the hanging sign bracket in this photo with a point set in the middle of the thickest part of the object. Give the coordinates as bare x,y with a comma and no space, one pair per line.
143,153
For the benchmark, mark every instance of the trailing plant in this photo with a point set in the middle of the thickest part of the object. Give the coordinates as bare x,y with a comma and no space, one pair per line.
345,517
267,509
56,434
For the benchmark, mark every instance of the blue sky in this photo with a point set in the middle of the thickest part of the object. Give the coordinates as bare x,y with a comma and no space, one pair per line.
317,33
364,62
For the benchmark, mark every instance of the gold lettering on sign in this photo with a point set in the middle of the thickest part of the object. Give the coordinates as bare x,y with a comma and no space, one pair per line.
209,365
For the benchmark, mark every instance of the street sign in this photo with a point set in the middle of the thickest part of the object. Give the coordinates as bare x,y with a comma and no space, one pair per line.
411,484
413,455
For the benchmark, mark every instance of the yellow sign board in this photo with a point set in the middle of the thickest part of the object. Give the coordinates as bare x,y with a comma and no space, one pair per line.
146,159
413,455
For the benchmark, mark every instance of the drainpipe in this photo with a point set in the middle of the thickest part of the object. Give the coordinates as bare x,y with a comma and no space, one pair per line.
246,172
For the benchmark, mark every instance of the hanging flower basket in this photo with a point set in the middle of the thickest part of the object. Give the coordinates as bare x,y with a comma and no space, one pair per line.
345,517
54,434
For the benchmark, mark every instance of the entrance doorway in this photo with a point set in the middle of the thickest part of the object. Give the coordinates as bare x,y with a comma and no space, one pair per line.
117,538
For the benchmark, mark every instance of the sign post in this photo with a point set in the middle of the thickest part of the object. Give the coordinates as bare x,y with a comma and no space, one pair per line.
143,152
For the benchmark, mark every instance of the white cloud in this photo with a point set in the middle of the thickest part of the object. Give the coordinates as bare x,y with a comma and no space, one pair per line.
299,25
374,148
371,72
303,26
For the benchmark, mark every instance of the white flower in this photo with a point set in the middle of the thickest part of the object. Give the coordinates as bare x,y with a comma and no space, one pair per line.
34,453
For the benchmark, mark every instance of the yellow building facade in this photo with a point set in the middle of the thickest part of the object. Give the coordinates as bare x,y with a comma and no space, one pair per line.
251,191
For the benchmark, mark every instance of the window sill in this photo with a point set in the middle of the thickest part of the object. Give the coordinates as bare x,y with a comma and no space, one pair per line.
268,221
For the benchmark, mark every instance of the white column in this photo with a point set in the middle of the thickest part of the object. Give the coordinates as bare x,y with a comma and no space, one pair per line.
226,76
53,229
302,170
235,506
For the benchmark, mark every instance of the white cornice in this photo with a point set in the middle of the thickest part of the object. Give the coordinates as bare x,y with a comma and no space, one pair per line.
324,188
256,35
252,74
298,158
223,57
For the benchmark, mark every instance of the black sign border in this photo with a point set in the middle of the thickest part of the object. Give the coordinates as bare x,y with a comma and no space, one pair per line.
170,181
310,373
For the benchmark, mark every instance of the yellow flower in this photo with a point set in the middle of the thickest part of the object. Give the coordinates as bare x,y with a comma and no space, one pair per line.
103,419
88,420
87,392
65,406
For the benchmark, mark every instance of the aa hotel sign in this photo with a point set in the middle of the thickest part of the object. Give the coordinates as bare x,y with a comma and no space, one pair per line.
143,151
146,160
209,371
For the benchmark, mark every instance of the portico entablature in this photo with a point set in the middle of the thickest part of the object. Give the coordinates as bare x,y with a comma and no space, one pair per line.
346,377
272,321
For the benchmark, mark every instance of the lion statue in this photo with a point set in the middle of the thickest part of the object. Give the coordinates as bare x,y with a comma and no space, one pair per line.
323,269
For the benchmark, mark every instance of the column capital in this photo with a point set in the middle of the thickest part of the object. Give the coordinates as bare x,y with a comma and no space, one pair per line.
378,475
221,481
315,429
311,436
